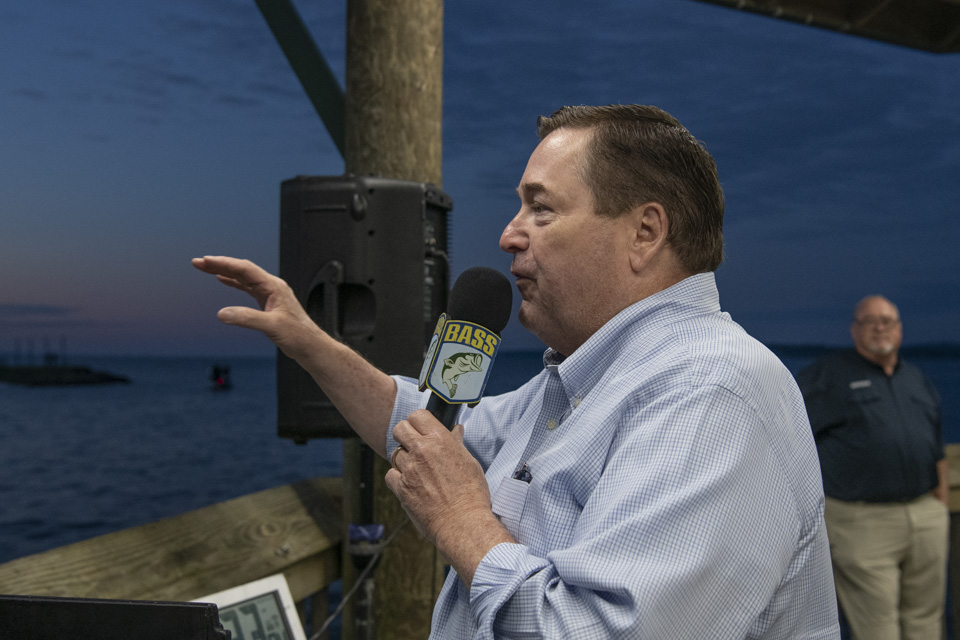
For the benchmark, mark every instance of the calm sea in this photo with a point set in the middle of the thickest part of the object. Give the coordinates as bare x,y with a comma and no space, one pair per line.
77,462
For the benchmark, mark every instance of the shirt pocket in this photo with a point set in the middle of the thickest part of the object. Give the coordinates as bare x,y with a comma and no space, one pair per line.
508,503
862,410
863,396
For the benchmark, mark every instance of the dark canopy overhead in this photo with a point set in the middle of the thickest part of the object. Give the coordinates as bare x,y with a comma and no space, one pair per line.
931,25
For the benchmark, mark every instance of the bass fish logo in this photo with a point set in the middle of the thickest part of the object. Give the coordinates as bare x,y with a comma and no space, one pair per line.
458,361
457,365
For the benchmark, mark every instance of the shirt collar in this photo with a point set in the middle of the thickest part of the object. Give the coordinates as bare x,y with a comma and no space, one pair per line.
580,371
870,363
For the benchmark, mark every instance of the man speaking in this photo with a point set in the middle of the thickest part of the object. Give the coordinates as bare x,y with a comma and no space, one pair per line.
658,479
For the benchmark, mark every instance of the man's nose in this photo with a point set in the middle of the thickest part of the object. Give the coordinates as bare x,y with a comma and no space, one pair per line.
513,239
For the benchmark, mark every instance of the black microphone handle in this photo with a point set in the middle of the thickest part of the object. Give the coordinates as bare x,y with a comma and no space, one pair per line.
443,411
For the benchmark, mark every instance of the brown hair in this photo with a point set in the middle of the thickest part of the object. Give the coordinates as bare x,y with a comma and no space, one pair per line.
642,154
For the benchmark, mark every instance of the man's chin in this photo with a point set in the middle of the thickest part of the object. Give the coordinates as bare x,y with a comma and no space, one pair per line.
524,317
529,320
882,349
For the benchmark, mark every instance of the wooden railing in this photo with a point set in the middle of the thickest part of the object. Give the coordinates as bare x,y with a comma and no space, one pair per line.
295,530
953,462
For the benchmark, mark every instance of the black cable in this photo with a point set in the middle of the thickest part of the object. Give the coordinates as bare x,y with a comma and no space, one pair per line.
363,574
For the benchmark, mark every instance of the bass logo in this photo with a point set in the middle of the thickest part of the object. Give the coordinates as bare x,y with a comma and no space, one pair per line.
459,360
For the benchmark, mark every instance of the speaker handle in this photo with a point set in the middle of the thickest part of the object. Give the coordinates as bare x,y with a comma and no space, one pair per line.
330,276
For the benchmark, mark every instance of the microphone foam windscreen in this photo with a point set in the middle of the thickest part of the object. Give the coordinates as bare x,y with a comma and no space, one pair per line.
483,296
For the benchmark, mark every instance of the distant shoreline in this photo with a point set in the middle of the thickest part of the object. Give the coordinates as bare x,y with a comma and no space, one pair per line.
923,350
929,350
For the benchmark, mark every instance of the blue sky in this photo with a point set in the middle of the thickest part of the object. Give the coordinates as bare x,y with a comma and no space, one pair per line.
137,135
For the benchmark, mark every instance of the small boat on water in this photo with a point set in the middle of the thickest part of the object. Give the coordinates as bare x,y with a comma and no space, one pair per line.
57,375
220,378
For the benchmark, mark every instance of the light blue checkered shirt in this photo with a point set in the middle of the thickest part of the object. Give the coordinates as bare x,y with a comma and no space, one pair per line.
677,494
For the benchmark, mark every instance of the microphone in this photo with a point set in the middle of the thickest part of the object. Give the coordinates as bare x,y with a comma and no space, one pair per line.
465,342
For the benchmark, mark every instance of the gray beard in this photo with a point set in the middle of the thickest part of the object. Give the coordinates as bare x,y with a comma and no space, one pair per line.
882,350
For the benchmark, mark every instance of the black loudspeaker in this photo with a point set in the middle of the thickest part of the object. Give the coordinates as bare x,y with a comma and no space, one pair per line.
367,258
51,618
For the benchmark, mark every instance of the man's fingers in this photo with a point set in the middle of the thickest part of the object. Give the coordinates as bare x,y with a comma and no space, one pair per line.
392,480
231,282
242,275
404,434
200,263
393,457
242,271
425,422
243,317
213,264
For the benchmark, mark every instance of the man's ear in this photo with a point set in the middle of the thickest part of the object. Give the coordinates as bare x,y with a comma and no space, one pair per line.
649,230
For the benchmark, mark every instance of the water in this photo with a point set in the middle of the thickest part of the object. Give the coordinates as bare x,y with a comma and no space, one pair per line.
77,462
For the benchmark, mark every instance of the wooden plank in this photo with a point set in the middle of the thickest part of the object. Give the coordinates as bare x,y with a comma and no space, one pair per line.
952,452
294,528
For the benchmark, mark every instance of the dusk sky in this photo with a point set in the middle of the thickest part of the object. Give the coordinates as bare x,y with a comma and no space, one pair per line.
137,135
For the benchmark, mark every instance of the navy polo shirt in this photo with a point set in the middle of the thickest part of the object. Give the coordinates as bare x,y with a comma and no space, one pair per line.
878,436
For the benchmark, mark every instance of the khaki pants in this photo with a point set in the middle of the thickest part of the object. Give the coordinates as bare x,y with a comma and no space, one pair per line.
890,566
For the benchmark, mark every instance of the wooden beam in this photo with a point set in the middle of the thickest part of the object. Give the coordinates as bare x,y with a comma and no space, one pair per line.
919,24
294,529
308,63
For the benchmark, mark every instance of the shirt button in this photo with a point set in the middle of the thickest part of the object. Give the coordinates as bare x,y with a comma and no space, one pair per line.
576,401
551,424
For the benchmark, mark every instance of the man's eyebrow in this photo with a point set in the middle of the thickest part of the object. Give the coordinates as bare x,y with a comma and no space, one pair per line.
527,190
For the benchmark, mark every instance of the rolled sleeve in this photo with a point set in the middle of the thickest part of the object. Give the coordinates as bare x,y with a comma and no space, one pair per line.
408,400
498,577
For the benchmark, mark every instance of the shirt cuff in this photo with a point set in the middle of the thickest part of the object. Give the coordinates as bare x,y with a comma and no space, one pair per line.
408,400
498,577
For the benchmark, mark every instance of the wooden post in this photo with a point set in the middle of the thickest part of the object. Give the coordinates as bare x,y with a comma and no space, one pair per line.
394,82
393,130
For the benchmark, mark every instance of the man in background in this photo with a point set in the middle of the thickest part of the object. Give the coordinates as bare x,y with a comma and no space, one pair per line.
876,421
658,478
